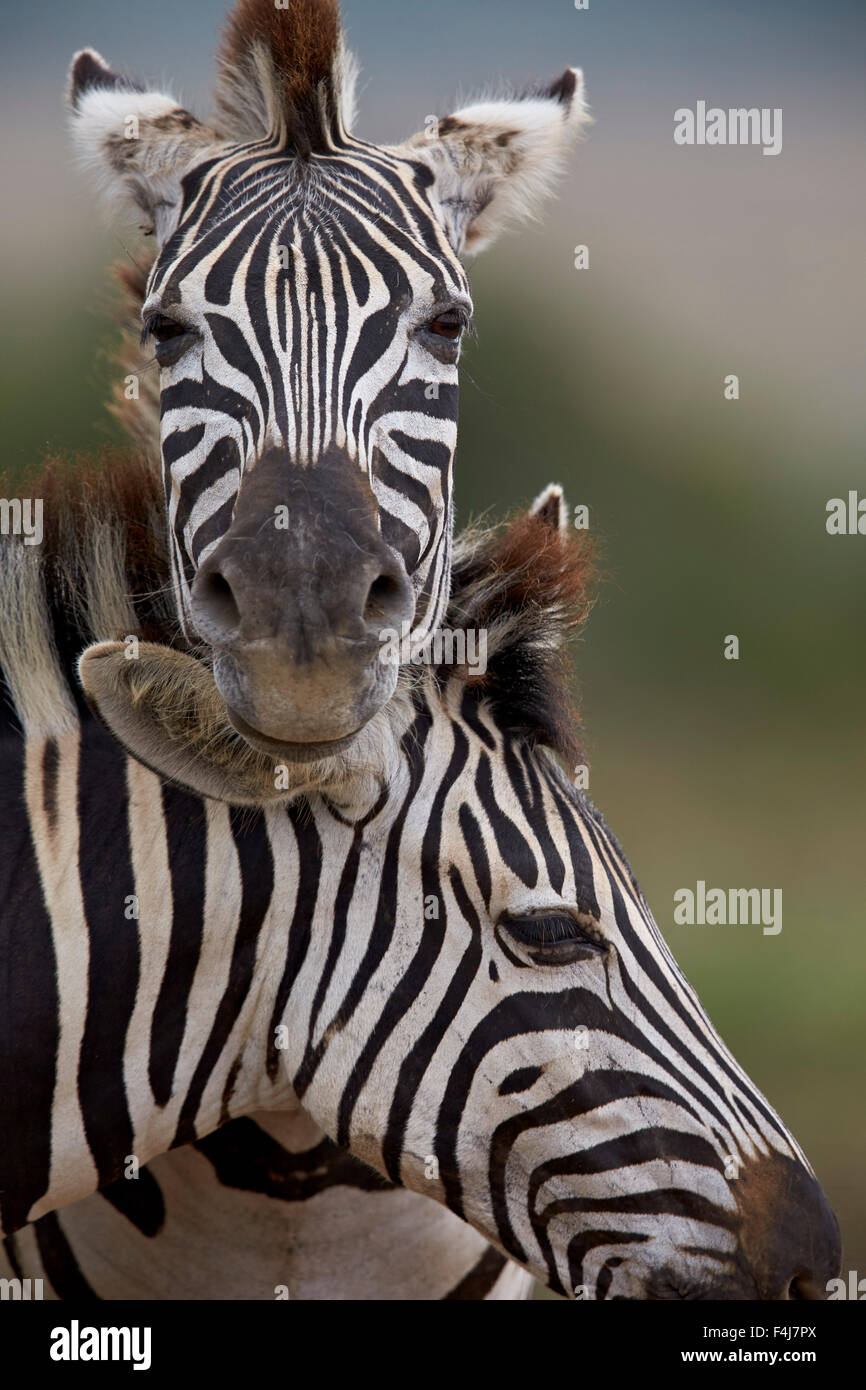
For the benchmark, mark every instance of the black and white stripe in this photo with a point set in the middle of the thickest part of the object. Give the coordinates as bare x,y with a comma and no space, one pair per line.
289,957
307,288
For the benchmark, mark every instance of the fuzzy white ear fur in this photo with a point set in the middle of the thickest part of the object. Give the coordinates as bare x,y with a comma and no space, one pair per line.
141,144
495,162
551,506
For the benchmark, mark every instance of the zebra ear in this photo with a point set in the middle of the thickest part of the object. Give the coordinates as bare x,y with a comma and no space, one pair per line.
165,709
140,143
550,506
495,162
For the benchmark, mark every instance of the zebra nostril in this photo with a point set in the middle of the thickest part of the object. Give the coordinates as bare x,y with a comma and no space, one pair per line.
803,1287
386,598
214,597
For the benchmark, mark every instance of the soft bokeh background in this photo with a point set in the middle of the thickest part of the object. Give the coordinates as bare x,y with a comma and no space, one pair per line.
712,513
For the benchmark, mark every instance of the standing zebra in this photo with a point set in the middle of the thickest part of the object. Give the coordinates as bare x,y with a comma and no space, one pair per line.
443,961
307,303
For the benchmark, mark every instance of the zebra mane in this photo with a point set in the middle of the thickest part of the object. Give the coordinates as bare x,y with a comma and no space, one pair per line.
285,70
105,570
526,584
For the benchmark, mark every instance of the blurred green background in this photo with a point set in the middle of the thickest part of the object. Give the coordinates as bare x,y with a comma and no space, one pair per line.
711,514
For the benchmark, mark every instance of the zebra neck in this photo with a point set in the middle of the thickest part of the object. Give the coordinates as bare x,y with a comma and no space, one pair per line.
129,1005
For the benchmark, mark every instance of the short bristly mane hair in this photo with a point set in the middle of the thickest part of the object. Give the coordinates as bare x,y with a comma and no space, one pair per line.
527,584
285,71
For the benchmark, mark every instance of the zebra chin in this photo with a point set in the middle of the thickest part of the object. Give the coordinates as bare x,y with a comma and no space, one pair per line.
164,707
302,715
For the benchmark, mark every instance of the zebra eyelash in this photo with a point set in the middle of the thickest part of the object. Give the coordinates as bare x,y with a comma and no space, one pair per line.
151,322
147,329
462,311
557,935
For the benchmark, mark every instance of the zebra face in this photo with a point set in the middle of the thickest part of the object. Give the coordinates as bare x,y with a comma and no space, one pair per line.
306,307
508,1034
309,316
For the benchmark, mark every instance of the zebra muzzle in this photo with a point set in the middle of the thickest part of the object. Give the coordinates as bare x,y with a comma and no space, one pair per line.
293,601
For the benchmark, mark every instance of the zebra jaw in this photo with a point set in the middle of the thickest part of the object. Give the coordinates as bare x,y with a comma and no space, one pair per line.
164,707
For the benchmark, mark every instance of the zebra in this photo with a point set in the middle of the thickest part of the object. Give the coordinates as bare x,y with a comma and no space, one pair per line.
307,302
444,962
267,1207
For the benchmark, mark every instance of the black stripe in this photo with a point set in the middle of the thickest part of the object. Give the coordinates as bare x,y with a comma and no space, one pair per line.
535,810
107,881
235,350
50,771
59,1262
309,850
257,885
513,845
214,528
476,851
186,841
29,1025
221,459
140,1200
418,1060
481,1277
245,1157
582,1245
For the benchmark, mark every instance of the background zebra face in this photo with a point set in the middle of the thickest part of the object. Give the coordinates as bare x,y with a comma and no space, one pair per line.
309,317
508,1033
307,305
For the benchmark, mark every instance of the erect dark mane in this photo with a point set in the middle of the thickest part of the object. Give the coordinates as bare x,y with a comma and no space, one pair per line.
301,47
527,584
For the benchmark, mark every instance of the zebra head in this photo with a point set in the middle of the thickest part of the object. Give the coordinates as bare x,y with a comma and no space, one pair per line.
307,303
507,1030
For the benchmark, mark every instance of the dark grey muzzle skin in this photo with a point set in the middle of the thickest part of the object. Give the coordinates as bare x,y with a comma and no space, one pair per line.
293,602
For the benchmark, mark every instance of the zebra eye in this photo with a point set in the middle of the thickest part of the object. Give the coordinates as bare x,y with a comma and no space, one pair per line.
161,328
447,325
555,938
170,337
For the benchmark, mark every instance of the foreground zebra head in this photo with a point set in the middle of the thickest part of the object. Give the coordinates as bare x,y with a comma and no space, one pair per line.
507,1031
307,304
450,968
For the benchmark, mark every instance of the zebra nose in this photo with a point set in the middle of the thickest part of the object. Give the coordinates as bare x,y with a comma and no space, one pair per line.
299,601
805,1286
790,1236
233,603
